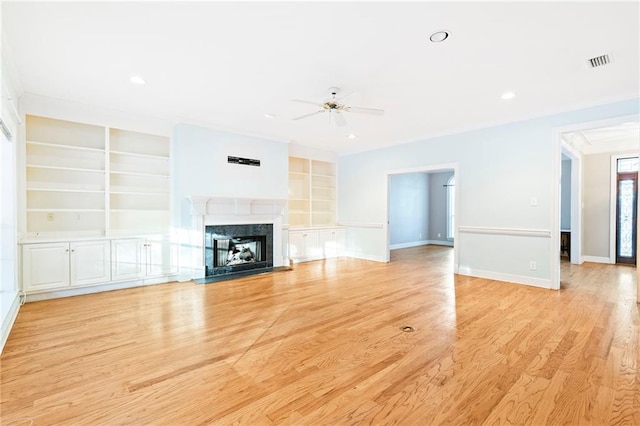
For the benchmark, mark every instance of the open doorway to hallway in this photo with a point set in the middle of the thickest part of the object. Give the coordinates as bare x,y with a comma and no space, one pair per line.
603,203
421,208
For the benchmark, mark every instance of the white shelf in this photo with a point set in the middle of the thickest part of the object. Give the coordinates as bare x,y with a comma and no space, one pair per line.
65,146
71,169
85,191
53,210
135,154
114,172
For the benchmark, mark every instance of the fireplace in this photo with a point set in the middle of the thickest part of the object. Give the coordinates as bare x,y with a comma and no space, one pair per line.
236,248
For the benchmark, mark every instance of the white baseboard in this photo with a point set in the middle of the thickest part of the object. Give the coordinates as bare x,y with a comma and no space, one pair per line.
440,243
55,294
7,324
509,278
365,256
407,245
421,243
597,259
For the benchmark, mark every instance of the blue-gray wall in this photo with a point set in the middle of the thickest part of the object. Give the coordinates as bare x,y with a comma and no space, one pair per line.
438,206
408,208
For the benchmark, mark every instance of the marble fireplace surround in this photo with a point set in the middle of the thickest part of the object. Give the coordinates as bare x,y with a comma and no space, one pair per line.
211,210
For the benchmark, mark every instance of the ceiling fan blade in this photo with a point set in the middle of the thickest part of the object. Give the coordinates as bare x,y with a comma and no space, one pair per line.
339,118
307,102
308,115
372,111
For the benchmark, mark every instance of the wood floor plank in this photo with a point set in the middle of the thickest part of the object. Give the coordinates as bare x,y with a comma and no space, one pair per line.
323,344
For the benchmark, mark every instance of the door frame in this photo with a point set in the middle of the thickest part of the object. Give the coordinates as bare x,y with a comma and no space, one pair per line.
556,164
433,168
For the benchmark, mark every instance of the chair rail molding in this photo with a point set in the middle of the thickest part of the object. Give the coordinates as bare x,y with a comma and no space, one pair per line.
515,232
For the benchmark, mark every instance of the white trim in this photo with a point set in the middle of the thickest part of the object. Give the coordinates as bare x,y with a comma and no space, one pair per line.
55,294
575,157
361,225
9,320
597,259
364,256
447,243
5,130
514,232
411,244
509,278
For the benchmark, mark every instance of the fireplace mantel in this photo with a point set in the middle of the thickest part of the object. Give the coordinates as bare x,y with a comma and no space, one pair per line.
228,206
212,210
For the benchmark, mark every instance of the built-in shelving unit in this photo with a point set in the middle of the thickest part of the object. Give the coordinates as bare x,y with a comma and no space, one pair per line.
66,183
139,182
312,193
86,180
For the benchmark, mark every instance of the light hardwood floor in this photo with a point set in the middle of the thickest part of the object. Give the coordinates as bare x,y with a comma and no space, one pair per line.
322,345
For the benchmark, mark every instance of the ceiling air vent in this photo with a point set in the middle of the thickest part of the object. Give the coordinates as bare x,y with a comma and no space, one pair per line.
599,61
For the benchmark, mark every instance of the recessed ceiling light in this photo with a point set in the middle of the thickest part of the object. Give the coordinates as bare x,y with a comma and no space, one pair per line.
351,136
508,95
269,115
136,79
439,36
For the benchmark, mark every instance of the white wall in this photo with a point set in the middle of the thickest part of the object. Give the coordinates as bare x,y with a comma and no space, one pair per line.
9,295
200,167
408,209
500,170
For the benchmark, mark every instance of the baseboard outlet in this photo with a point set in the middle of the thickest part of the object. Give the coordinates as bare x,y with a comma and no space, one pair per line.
508,278
9,320
55,294
597,259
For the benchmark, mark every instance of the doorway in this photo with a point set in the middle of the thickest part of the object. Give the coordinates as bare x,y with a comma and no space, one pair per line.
438,211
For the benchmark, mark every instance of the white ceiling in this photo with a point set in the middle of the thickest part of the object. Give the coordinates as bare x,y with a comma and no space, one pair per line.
224,65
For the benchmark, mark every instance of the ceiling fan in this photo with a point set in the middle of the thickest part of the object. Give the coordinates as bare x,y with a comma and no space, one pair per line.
334,108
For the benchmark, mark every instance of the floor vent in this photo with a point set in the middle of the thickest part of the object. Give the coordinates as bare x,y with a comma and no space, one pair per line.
599,61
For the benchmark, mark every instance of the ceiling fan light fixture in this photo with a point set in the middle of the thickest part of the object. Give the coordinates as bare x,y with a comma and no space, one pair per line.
439,36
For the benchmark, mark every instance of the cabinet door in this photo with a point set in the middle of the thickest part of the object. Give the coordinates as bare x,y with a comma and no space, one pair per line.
127,257
330,242
161,256
303,245
90,262
296,244
45,266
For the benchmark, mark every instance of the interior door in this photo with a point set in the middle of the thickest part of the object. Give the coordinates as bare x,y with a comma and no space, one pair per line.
626,217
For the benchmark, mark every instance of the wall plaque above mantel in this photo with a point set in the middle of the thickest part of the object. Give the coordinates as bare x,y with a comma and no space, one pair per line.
243,161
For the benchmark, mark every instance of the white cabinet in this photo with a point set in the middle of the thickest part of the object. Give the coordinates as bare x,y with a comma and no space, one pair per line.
142,257
331,242
313,244
54,266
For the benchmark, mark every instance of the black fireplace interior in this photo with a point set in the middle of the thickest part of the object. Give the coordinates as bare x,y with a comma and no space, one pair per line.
235,248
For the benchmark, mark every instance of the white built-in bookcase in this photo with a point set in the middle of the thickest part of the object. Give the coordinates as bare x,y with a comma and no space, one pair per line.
312,193
85,180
